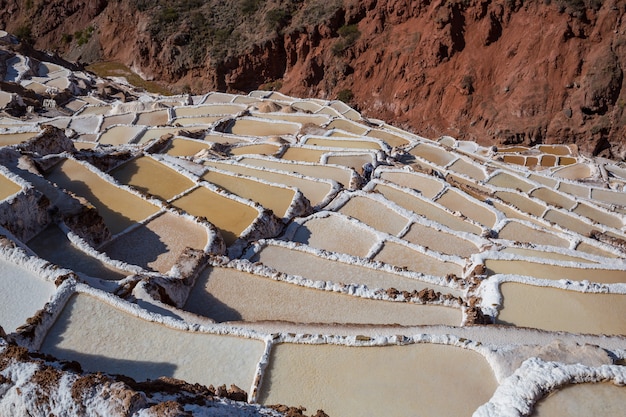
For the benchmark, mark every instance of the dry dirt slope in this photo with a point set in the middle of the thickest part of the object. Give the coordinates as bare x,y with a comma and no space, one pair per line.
501,71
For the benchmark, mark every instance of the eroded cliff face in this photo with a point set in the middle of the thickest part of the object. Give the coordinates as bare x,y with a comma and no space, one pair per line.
497,72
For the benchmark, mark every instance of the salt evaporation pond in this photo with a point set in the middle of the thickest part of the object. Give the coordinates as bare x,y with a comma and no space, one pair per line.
259,127
583,400
153,177
185,147
54,246
314,191
302,154
120,135
356,162
15,138
119,208
404,257
277,199
7,187
28,293
429,379
317,268
375,214
157,244
230,216
555,271
104,338
560,310
228,295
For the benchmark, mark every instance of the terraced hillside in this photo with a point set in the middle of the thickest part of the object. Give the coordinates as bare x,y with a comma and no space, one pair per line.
302,253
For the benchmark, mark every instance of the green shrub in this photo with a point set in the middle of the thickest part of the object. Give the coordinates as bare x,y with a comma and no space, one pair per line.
346,96
277,18
24,33
348,36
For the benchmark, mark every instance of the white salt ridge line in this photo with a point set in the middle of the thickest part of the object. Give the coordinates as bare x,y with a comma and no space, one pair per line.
504,256
517,394
344,258
411,216
335,187
355,290
489,289
377,156
382,237
423,219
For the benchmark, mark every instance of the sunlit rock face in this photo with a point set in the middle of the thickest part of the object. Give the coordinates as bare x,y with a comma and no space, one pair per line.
273,249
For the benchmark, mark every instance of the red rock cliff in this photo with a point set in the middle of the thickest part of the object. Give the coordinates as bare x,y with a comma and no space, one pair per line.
497,72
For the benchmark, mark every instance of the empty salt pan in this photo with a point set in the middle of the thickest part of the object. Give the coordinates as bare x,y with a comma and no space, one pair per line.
391,139
103,338
582,400
522,233
470,169
153,118
205,121
317,268
361,380
522,202
335,233
433,154
427,186
231,217
227,295
439,241
554,309
459,202
24,293
375,214
256,149
599,216
15,138
553,198
506,180
54,246
342,143
7,187
119,208
210,109
555,271
120,135
278,199
153,177
356,162
303,154
156,133
258,127
158,244
404,257
348,126
185,147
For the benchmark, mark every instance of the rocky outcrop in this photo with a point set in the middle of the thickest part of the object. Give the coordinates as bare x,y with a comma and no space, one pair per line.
496,72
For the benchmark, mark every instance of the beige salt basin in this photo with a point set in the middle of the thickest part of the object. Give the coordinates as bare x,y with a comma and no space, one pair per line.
153,177
229,295
278,199
553,198
555,149
120,135
583,400
53,246
346,236
389,138
303,154
356,162
231,217
457,201
317,268
341,143
185,147
439,241
554,309
156,133
374,214
7,139
467,168
599,216
556,256
315,119
555,272
574,171
255,149
506,180
158,244
426,208
118,119
433,154
314,191
570,222
103,338
85,124
209,109
204,121
609,196
219,98
119,208
257,127
417,379
427,186
23,294
519,232
577,190
7,187
342,175
522,202
153,118
348,126
342,134
404,257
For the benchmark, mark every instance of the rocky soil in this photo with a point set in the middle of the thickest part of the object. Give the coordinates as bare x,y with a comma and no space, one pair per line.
497,72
